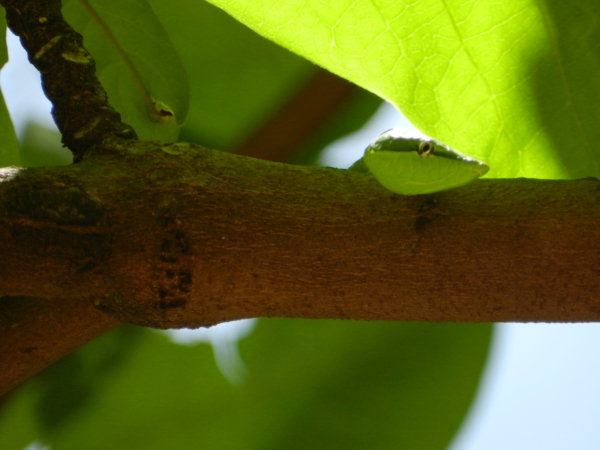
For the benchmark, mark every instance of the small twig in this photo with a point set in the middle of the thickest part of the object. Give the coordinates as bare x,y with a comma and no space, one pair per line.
80,104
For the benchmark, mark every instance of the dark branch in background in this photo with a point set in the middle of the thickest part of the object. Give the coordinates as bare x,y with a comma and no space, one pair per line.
80,104
297,120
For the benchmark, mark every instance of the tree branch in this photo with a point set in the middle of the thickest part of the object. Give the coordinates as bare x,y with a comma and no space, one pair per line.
80,104
280,137
193,237
35,332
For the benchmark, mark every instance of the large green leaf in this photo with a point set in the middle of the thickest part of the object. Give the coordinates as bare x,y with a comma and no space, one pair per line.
41,147
311,384
9,148
515,83
136,62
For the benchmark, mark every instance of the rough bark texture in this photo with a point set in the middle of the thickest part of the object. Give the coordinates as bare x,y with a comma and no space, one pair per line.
35,332
181,236
80,104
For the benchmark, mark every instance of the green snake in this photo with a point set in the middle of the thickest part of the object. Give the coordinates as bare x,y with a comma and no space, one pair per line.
408,164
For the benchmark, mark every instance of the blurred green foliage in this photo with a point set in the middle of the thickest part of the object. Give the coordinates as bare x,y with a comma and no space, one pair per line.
310,384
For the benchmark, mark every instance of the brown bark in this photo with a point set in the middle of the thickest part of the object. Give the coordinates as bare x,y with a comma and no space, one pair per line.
181,236
35,332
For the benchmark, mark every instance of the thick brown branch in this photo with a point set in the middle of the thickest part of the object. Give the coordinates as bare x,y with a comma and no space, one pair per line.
35,332
80,105
180,236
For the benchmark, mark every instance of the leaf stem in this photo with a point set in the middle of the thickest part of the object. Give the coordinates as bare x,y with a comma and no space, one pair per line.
152,105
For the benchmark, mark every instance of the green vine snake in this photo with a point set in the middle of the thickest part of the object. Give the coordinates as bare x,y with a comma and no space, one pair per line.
408,164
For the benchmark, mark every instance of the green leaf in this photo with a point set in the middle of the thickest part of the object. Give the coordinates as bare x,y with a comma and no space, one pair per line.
41,147
9,147
376,385
516,84
238,79
311,384
3,46
136,62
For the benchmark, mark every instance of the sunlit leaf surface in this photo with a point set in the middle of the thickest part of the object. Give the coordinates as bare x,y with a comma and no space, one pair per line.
515,83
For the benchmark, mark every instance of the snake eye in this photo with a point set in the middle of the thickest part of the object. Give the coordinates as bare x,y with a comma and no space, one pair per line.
425,149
